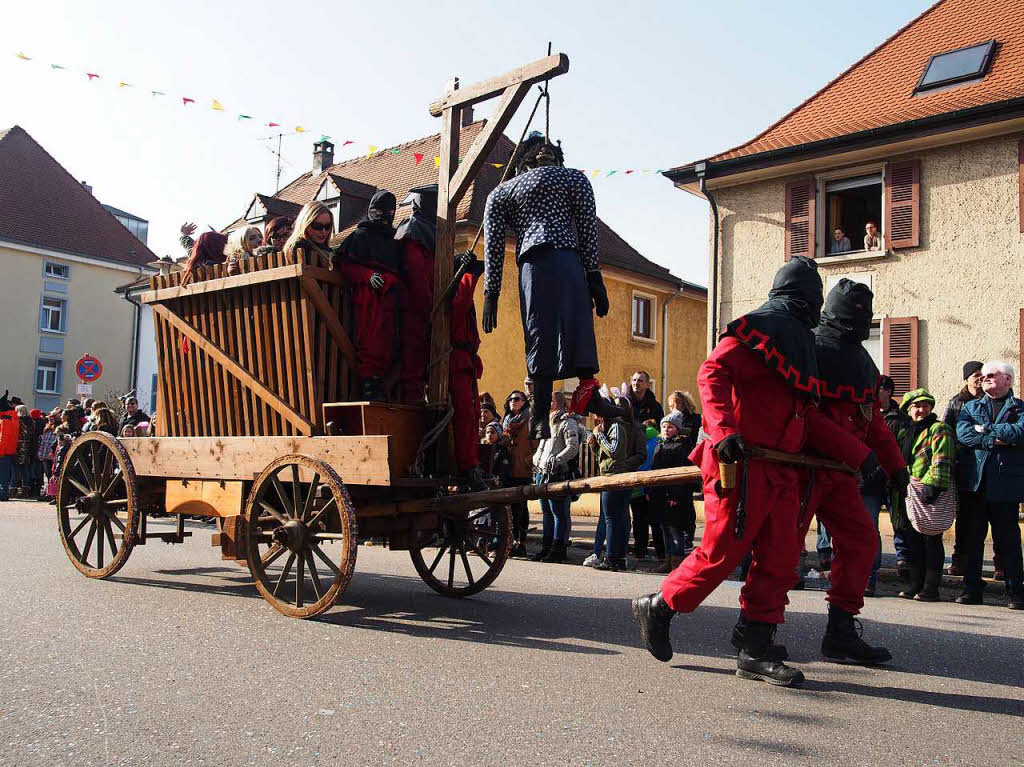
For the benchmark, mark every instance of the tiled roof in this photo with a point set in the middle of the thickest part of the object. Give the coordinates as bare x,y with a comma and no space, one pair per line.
275,206
398,173
41,204
879,89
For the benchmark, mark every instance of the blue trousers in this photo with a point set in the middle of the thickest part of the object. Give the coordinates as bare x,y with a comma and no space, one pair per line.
615,513
676,540
873,503
557,523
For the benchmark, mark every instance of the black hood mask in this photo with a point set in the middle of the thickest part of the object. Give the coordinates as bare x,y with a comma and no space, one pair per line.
780,329
847,371
373,241
421,226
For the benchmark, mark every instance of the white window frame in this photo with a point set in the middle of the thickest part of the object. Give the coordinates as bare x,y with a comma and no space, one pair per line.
46,313
633,316
51,366
822,181
48,275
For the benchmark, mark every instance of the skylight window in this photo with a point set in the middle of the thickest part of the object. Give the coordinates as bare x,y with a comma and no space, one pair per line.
957,66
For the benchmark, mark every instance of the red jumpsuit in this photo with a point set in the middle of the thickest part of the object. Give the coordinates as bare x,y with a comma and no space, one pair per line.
464,369
836,498
741,394
415,321
376,315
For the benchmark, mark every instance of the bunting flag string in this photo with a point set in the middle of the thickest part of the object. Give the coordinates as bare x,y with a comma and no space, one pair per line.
371,149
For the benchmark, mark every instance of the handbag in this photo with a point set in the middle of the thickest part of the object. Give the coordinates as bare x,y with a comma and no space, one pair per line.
51,487
930,519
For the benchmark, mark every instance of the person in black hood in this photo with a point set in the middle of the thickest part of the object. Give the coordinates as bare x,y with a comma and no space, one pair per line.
759,387
370,259
416,237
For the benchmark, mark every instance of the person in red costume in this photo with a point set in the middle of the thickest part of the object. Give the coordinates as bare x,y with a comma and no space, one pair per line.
416,236
849,380
759,387
464,370
370,260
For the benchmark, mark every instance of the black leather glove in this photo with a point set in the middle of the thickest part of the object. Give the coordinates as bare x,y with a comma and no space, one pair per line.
930,494
731,449
871,471
490,318
463,261
598,294
900,480
376,281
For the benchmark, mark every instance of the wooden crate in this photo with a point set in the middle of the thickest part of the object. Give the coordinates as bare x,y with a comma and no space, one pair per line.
256,353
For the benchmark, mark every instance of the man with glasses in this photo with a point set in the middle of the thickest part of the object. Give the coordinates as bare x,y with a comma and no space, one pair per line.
992,428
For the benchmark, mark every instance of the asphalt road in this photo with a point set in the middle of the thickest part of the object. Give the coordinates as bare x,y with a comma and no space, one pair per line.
176,660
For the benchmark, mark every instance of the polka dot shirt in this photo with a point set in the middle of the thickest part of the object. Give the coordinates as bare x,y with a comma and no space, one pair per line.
549,205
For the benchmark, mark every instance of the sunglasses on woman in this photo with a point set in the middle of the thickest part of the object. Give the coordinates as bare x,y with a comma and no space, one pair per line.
321,227
515,399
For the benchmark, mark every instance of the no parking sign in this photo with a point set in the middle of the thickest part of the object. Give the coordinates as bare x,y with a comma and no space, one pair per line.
88,368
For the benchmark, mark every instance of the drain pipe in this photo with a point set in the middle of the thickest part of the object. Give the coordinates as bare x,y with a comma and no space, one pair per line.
664,342
701,170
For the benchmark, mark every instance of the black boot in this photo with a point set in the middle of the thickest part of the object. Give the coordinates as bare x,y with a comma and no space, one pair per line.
842,642
777,651
557,553
540,408
540,427
654,615
545,549
604,408
915,583
755,660
930,590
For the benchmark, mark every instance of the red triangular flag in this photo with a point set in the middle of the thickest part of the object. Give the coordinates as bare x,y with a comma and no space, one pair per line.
273,125
90,75
185,101
418,156
346,143
628,172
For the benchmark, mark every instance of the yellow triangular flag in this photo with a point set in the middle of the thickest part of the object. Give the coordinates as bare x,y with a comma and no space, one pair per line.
217,105
498,164
372,150
437,161
299,129
125,85
22,56
594,172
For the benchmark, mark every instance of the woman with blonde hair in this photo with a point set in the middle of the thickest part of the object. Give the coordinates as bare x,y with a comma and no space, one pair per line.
313,229
241,244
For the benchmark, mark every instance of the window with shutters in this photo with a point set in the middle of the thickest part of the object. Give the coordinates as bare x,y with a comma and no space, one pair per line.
852,214
899,353
800,218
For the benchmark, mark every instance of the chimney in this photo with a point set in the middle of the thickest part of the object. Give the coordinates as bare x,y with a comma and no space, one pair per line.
87,187
323,155
467,115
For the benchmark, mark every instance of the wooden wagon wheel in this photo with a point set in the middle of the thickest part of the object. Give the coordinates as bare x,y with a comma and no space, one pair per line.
287,523
97,505
470,549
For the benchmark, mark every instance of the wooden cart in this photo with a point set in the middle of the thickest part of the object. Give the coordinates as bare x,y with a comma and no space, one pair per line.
257,427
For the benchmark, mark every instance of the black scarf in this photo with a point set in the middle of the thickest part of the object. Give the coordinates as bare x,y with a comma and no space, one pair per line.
421,226
911,431
780,329
373,242
846,369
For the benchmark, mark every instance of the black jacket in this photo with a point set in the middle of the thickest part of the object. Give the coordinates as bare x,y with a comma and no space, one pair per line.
671,454
647,409
956,404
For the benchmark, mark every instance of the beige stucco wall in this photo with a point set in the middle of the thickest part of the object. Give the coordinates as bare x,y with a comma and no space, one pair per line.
98,323
620,354
964,283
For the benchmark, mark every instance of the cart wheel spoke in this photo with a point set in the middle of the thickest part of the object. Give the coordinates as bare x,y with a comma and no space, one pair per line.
99,544
88,540
296,490
284,573
272,555
273,512
331,504
78,486
465,564
281,494
482,554
110,534
81,524
307,508
437,559
94,460
300,579
118,502
118,477
112,517
324,558
314,576
451,567
90,480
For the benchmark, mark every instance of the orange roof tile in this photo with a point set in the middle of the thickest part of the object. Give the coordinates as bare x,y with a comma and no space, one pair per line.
879,89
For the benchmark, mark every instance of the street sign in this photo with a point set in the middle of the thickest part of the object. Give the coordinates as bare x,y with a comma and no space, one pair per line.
84,389
88,368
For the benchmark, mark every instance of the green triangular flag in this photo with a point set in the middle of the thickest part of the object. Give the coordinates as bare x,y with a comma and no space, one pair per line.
244,117
56,66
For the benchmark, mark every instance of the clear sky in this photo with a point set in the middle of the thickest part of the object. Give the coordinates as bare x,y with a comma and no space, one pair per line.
651,85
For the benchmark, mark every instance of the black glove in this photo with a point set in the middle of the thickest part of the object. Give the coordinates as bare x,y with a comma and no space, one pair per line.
490,318
598,294
4,403
871,471
376,281
463,261
900,480
930,494
731,449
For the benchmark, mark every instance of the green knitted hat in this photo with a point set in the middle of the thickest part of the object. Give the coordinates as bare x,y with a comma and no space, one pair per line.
917,395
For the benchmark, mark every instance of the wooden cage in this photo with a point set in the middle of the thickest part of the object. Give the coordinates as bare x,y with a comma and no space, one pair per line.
252,354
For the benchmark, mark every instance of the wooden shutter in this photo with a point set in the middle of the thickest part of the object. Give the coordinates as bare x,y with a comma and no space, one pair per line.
903,204
800,218
1020,191
899,353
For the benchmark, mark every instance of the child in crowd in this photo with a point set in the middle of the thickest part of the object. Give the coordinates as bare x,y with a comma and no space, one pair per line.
672,505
